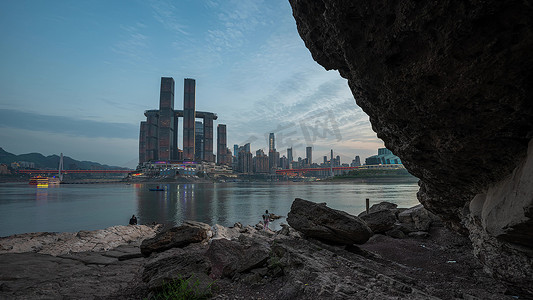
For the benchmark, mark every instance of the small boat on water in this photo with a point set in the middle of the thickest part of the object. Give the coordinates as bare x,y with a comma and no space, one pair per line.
157,189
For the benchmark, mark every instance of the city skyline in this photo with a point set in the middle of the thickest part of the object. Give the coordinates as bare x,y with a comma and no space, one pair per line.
77,77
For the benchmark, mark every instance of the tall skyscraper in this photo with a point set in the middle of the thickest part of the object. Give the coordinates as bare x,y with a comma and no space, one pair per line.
331,156
236,150
221,144
189,115
166,142
309,155
289,155
273,160
271,142
158,136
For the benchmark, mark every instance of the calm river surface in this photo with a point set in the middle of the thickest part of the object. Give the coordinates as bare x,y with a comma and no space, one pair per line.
70,208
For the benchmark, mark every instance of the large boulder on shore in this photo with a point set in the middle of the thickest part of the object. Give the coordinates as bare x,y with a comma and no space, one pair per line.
381,216
384,205
181,236
178,263
230,257
380,221
318,221
416,218
447,86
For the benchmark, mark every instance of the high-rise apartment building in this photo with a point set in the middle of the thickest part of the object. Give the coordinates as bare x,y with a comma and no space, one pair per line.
271,142
236,150
229,157
283,162
260,162
356,162
244,161
273,160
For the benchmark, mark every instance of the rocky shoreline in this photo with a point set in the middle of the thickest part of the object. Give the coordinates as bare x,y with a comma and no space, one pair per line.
390,253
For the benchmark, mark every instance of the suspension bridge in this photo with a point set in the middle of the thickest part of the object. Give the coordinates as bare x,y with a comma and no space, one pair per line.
60,171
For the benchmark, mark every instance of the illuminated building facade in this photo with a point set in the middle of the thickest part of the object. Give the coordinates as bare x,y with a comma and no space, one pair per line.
271,142
158,136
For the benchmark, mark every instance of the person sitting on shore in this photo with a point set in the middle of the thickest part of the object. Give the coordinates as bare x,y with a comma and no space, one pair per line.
133,220
266,220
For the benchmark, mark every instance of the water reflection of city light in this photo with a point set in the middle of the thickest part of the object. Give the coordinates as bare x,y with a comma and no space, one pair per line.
41,195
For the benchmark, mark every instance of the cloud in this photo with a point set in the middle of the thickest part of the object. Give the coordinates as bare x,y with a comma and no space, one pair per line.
65,125
166,13
236,22
133,45
307,108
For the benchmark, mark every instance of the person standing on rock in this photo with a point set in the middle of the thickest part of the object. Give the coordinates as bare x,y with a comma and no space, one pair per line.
133,220
266,220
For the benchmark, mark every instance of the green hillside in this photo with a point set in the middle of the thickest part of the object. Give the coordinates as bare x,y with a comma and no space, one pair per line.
52,161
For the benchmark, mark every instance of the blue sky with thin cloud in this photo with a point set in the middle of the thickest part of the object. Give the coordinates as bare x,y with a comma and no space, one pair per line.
76,77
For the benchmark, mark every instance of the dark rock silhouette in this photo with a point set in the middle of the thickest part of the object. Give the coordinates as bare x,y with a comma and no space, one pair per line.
176,237
447,86
379,207
243,263
380,221
316,220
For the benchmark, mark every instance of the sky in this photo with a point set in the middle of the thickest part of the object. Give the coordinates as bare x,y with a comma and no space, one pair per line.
77,76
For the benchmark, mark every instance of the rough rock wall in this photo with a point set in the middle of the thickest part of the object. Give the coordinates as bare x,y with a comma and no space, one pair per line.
447,86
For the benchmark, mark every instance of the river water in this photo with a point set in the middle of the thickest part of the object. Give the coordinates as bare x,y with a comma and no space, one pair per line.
70,208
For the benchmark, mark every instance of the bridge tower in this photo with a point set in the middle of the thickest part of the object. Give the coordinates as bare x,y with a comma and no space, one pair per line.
60,168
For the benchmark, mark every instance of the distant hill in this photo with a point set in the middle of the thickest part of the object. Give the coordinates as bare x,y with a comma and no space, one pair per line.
52,161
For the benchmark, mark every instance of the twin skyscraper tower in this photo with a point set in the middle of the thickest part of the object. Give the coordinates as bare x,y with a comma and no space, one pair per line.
158,138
